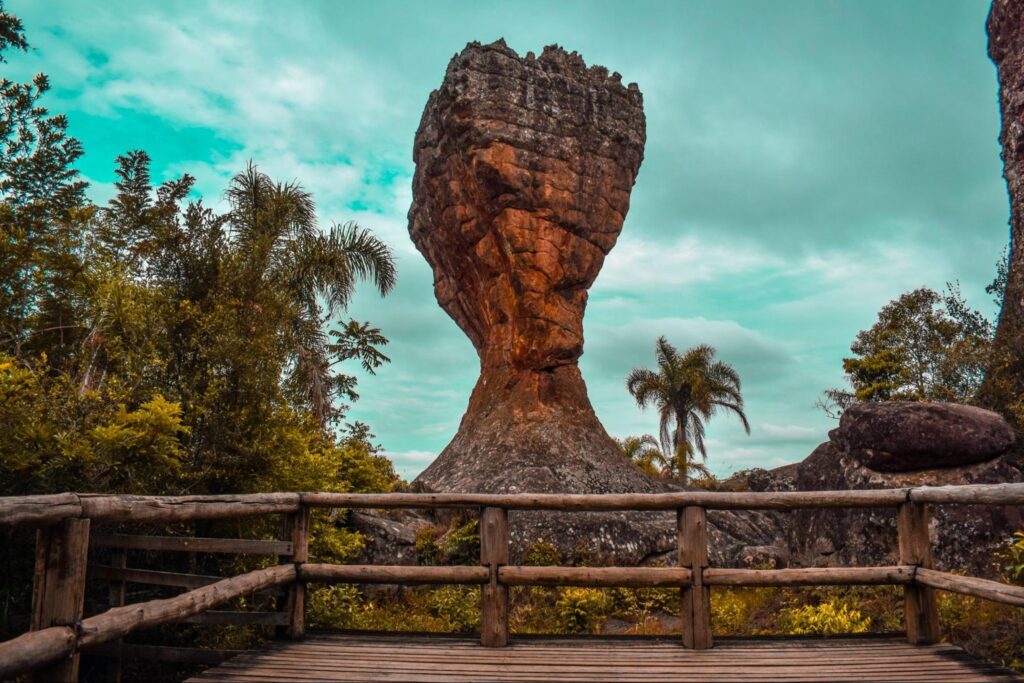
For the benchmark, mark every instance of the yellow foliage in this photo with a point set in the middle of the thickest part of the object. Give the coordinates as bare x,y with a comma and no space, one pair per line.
824,619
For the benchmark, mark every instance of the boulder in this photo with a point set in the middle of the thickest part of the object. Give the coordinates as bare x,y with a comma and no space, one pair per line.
964,537
902,436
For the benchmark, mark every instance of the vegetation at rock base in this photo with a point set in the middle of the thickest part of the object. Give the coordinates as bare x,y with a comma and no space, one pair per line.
687,389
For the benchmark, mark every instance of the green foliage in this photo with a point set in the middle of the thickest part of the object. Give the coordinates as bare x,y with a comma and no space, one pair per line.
645,453
153,345
992,631
542,554
824,619
1011,560
924,347
462,545
447,609
688,389
428,550
739,611
440,545
581,610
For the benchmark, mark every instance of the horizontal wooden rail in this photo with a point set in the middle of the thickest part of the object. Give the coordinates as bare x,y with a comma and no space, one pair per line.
38,648
189,544
410,575
608,502
818,576
968,585
104,508
613,577
39,510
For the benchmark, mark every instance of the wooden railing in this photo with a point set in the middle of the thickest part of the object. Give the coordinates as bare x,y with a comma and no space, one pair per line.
59,631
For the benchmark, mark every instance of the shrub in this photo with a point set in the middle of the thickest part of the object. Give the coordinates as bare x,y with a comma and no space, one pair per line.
1011,559
542,554
827,618
462,545
428,551
458,607
581,610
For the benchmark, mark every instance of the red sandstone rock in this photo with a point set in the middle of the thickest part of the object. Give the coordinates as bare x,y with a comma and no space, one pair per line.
524,168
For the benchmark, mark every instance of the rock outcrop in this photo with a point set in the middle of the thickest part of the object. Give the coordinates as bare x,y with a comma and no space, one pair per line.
902,436
963,537
1004,382
894,445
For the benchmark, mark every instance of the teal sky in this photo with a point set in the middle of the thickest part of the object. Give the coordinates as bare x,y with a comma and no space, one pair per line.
806,162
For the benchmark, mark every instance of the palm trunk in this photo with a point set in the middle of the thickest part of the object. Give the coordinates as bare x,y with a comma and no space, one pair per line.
680,443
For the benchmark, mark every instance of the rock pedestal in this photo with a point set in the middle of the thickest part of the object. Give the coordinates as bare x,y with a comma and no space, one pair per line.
524,168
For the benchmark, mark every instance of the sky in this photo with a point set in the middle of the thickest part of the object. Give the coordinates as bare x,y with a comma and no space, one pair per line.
806,162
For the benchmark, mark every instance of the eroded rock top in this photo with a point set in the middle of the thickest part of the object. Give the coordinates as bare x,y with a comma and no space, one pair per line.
524,166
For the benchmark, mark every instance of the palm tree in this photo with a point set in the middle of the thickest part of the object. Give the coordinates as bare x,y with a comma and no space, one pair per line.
644,452
280,247
688,389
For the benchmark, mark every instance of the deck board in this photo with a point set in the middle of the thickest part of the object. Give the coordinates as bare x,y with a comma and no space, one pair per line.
426,659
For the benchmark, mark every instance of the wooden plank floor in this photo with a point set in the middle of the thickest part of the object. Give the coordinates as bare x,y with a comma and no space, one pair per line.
396,657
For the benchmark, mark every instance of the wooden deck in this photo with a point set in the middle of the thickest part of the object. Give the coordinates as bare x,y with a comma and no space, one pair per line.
342,657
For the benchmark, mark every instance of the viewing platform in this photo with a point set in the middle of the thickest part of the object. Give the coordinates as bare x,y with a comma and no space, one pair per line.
333,657
60,631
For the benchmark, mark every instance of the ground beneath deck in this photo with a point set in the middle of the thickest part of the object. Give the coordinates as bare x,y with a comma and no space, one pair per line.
396,657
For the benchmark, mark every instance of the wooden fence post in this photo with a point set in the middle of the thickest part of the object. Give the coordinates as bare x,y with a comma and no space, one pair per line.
116,587
297,532
693,555
493,596
920,611
58,587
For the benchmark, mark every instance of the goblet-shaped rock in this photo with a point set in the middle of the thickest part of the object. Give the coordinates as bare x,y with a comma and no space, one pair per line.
524,168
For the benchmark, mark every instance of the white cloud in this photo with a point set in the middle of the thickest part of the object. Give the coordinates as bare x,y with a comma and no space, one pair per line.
771,432
410,463
639,264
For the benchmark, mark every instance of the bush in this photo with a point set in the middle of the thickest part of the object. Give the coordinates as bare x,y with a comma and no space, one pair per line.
462,545
1011,560
582,610
824,619
541,554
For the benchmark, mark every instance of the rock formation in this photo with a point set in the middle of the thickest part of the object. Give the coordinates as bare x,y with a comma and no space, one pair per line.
1004,383
892,445
524,168
902,436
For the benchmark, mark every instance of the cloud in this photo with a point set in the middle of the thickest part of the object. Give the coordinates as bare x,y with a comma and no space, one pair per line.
640,264
410,463
805,163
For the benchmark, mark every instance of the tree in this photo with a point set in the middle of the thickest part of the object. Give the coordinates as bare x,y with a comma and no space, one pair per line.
924,347
688,389
646,453
42,206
